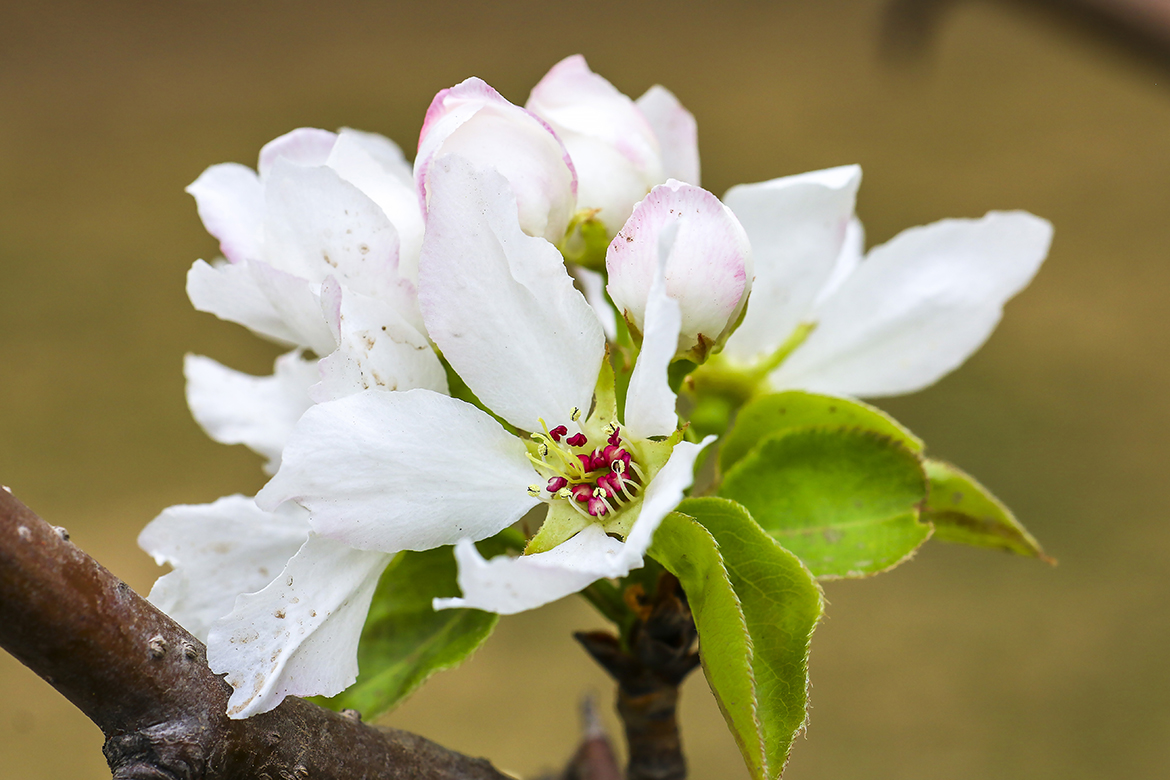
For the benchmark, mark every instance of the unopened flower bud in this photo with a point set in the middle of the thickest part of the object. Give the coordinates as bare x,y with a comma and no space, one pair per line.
708,265
474,121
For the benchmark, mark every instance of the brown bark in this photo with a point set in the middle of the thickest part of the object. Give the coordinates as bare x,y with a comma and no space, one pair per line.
145,682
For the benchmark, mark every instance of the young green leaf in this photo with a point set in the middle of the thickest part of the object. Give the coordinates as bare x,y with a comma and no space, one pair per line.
405,640
846,501
755,607
779,412
965,512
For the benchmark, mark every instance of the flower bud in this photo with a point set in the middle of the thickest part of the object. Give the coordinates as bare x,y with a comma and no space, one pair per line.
474,121
708,265
621,149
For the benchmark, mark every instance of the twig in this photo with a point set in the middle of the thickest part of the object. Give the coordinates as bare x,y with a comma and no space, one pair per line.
145,682
594,759
658,658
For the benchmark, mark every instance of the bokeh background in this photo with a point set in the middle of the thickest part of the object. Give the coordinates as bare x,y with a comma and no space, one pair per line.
961,664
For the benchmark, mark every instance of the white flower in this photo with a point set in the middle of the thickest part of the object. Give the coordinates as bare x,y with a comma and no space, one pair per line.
315,259
708,266
825,319
383,472
620,148
475,122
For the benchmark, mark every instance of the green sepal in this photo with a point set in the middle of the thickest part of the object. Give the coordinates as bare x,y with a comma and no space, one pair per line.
779,412
405,640
846,501
965,512
586,240
755,606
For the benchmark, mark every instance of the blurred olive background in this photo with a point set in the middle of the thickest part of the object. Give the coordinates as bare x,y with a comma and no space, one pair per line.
962,664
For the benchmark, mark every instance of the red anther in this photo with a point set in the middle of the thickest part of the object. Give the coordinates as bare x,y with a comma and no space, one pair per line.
611,483
556,483
578,440
586,462
557,432
614,438
597,507
582,493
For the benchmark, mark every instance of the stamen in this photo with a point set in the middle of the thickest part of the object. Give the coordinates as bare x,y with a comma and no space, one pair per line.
557,432
575,414
597,507
534,491
578,440
556,483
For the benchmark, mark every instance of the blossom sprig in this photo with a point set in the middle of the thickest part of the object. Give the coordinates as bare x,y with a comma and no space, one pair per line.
541,323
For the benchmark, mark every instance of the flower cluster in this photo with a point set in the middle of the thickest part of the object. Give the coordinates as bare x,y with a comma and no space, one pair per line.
465,353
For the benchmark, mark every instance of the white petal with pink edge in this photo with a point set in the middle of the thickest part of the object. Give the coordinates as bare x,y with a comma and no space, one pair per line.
500,304
677,132
797,226
474,121
709,270
218,551
917,306
613,147
307,146
403,471
230,201
299,635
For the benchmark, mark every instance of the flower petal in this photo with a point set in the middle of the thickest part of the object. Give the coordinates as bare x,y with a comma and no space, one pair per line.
230,201
304,146
403,471
260,412
500,304
376,166
662,496
509,585
678,135
592,285
650,403
852,253
270,303
377,347
797,226
613,147
218,551
918,306
299,635
320,225
475,122
708,272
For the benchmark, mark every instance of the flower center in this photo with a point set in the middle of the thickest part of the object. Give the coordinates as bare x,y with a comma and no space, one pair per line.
596,478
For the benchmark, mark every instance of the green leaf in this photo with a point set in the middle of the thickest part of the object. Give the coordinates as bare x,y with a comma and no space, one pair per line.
779,412
965,512
846,501
755,607
405,640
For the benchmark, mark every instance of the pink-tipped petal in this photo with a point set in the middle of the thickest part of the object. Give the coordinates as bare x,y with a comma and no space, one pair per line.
230,201
677,132
304,146
709,269
613,147
474,121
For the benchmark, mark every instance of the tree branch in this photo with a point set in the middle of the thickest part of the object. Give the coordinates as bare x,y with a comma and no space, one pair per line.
649,671
145,682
